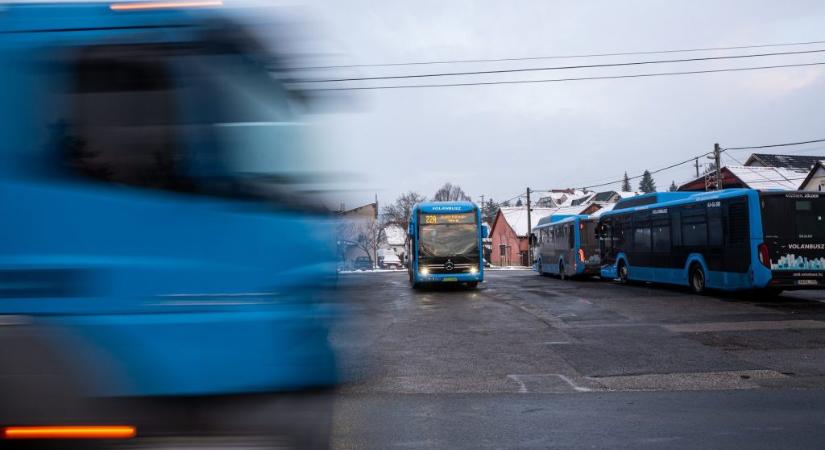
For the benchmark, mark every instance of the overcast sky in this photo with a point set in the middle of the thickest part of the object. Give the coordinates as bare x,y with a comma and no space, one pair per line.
496,140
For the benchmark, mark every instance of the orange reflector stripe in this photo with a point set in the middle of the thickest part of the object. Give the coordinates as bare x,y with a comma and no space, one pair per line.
164,5
70,432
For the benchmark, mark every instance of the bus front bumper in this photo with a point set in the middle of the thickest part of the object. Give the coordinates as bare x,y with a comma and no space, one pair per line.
451,278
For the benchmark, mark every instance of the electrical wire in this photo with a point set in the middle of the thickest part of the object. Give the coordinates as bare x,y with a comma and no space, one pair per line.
555,80
580,66
787,144
535,58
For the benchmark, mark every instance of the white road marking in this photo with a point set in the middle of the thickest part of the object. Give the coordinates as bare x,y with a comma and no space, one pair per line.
522,387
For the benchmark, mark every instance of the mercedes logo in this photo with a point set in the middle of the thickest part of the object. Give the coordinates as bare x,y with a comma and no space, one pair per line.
449,265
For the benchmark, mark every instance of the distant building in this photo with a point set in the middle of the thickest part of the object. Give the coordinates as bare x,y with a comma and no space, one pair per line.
352,222
396,238
815,181
509,235
612,196
784,161
754,177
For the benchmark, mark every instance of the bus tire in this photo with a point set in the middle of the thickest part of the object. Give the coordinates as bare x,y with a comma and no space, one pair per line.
562,276
621,272
697,279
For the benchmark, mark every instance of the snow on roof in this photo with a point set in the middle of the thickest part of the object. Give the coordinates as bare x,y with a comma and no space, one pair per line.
395,235
516,217
769,177
570,210
626,194
605,207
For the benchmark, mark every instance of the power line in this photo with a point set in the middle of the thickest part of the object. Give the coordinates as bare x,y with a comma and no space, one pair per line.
652,172
556,80
580,66
535,58
787,144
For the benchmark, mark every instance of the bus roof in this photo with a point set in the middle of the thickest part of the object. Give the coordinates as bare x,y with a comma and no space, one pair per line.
673,200
445,207
90,16
559,219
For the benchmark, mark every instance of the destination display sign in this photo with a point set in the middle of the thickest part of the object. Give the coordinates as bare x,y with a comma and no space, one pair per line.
443,219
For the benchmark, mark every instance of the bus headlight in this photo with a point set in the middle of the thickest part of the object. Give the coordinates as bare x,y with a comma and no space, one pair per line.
473,270
424,271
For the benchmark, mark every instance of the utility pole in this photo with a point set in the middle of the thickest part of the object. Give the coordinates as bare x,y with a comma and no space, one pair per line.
529,231
482,208
717,156
696,163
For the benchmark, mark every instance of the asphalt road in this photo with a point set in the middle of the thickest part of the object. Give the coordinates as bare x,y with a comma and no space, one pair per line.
532,362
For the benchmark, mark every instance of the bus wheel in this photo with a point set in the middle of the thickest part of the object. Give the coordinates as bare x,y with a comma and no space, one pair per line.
562,276
622,271
697,279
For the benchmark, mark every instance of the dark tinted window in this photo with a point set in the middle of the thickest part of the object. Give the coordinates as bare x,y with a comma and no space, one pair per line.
715,228
694,226
737,223
123,112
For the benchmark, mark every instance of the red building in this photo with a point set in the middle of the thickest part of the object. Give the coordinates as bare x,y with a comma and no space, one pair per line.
509,235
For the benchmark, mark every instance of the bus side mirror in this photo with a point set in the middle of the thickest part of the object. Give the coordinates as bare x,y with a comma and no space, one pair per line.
484,233
410,229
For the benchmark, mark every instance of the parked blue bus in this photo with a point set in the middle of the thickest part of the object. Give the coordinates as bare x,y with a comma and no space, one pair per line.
733,239
154,245
445,244
567,246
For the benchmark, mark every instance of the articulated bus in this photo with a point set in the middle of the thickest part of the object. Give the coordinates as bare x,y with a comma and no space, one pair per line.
734,239
567,247
445,244
152,251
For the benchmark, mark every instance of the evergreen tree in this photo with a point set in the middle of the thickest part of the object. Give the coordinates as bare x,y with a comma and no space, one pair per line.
673,187
647,184
519,202
626,184
489,211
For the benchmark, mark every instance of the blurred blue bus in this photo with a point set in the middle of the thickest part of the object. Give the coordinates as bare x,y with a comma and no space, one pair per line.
733,239
567,246
154,242
445,244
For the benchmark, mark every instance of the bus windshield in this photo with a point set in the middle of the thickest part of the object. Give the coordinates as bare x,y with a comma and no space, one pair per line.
449,235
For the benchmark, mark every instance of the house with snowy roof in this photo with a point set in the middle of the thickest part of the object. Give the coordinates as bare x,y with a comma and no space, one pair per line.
754,177
804,162
815,181
509,234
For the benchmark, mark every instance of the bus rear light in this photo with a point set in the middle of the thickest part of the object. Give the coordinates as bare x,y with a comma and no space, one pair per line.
70,432
581,255
764,256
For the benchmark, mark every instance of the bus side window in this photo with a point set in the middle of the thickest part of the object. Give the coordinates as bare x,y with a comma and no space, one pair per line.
121,124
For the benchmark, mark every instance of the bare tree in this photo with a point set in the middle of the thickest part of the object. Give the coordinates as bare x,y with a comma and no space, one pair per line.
399,212
451,193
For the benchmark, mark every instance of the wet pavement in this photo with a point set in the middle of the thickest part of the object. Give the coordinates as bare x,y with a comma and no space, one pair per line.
536,362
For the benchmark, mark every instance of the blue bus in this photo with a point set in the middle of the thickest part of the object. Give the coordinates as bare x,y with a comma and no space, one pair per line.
734,239
567,246
154,243
445,244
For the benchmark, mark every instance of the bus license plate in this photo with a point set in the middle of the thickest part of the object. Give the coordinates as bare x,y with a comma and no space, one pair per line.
807,282
446,280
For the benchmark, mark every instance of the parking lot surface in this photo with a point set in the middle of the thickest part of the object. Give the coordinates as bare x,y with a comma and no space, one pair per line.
531,361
